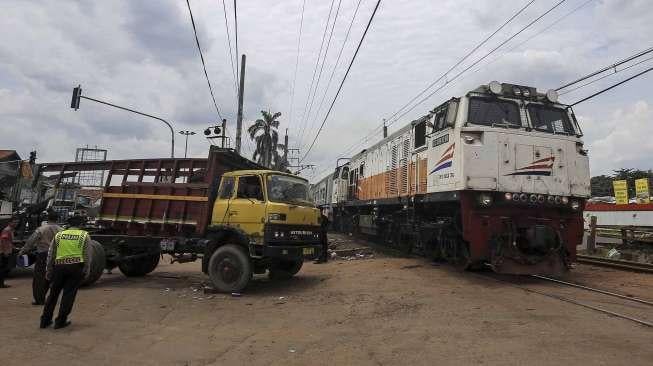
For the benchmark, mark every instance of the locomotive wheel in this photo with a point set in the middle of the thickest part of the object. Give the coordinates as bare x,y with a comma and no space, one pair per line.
285,269
140,266
454,249
230,269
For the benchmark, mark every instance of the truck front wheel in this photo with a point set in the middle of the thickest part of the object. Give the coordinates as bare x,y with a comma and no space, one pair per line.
285,269
230,269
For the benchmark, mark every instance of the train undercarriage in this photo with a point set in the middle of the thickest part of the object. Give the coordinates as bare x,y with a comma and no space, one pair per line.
508,237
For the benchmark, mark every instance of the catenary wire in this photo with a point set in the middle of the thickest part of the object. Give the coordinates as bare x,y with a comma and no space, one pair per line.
317,64
319,75
231,55
448,81
605,76
612,86
294,79
326,117
197,41
333,71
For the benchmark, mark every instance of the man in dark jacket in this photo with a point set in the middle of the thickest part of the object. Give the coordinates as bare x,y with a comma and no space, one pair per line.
6,250
40,242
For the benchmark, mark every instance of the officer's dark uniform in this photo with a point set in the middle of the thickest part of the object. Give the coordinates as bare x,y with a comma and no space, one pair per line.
324,223
66,268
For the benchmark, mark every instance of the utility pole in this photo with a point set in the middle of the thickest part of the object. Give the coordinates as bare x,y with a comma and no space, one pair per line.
239,120
186,133
285,148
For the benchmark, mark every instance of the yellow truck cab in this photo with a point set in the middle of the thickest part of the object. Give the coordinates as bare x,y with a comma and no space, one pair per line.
261,220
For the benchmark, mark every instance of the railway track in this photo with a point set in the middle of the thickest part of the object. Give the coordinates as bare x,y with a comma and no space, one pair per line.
634,309
613,263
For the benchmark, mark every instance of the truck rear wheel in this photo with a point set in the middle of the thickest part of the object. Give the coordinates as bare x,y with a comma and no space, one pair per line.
230,269
285,269
139,267
97,265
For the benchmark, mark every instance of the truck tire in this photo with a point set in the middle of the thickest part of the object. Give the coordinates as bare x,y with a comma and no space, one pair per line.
285,269
230,269
97,263
140,266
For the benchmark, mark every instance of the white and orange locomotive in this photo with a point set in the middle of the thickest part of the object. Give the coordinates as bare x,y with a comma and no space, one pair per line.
498,177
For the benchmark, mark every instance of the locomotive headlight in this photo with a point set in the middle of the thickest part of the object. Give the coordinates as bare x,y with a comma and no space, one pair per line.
508,196
516,91
575,205
551,199
485,199
533,198
558,199
495,87
523,197
540,198
526,93
552,95
565,200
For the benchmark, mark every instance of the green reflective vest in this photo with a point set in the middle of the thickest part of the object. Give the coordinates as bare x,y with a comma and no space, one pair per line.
70,246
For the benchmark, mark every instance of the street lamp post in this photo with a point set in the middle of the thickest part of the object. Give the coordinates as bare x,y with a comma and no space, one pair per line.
77,95
186,133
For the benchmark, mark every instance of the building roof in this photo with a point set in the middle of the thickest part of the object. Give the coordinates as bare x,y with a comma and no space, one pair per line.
9,155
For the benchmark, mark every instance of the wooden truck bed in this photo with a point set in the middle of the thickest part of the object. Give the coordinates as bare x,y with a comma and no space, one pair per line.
158,197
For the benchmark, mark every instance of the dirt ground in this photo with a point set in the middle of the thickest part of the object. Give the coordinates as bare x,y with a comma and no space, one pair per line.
375,310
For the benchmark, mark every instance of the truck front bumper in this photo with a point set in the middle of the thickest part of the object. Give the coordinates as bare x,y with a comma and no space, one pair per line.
294,252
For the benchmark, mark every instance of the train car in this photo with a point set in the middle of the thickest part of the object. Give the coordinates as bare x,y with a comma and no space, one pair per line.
497,177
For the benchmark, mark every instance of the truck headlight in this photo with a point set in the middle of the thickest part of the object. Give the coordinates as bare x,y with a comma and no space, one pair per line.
277,216
485,199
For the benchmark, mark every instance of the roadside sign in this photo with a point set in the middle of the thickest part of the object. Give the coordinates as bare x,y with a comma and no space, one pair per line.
620,191
642,191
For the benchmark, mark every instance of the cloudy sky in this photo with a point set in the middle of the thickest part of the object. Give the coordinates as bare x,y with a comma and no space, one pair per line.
142,54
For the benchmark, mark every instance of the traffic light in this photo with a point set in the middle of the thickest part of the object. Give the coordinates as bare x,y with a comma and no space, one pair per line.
32,157
77,95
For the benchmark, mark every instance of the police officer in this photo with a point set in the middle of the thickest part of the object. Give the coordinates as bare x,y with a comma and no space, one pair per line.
40,241
68,263
324,225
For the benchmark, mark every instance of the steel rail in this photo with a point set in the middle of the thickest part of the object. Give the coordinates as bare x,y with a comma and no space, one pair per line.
575,302
625,265
592,289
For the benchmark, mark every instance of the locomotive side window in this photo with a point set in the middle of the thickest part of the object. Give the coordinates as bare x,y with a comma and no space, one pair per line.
494,112
420,134
548,119
361,170
440,120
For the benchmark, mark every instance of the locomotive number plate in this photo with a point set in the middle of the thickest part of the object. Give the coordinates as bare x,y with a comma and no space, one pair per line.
308,251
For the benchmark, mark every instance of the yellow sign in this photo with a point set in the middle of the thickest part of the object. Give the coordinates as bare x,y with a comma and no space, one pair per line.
620,191
642,190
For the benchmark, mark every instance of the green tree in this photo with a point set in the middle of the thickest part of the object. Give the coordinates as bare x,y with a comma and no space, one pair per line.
264,133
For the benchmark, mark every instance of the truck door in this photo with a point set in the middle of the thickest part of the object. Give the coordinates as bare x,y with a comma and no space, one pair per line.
247,209
222,201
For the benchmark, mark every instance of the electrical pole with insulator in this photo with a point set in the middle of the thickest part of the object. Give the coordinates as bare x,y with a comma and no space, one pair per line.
239,120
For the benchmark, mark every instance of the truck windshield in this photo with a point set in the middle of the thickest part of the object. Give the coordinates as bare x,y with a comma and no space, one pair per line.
494,112
282,188
550,119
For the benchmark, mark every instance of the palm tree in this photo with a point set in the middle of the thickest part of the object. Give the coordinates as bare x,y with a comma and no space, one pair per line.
264,133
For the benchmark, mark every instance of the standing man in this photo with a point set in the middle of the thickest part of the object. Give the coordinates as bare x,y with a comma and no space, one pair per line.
68,263
6,250
40,241
324,225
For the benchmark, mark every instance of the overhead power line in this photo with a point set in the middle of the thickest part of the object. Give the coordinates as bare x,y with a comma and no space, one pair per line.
319,75
197,41
461,60
389,120
236,34
231,55
448,81
333,71
317,63
294,79
613,86
605,76
604,69
326,117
